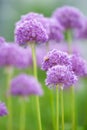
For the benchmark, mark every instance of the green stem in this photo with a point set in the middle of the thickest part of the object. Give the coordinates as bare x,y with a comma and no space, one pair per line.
73,108
62,107
57,108
52,109
9,100
22,115
69,40
9,122
35,74
51,96
34,60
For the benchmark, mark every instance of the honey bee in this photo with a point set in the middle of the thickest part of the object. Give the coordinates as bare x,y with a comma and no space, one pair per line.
46,58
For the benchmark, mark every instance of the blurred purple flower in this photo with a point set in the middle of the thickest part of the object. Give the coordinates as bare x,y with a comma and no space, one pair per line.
69,17
14,55
24,85
79,65
3,109
60,75
55,30
82,32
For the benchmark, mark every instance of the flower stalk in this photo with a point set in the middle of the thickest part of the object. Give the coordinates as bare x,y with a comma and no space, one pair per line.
35,74
57,108
62,107
72,87
9,71
22,114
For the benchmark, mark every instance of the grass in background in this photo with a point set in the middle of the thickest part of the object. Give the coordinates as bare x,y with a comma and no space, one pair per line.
31,122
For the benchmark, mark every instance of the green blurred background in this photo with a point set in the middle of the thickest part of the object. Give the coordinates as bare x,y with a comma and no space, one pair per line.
10,12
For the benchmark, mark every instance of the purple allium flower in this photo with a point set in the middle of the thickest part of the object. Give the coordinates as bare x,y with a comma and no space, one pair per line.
2,41
22,57
39,17
24,85
55,57
29,16
14,55
60,75
30,31
3,109
82,32
69,17
79,65
3,52
55,30
32,15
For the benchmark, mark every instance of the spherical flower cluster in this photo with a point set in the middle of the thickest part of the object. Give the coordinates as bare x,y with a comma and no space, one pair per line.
30,29
55,57
79,65
3,109
13,55
55,30
3,52
32,15
39,17
69,17
60,75
24,85
82,32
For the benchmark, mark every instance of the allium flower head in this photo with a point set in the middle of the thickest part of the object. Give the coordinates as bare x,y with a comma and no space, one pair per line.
69,17
55,57
21,56
3,52
39,17
55,30
79,65
31,29
3,109
82,32
13,55
24,85
32,15
60,75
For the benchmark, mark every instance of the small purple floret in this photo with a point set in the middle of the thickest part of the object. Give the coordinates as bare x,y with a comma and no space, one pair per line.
3,109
